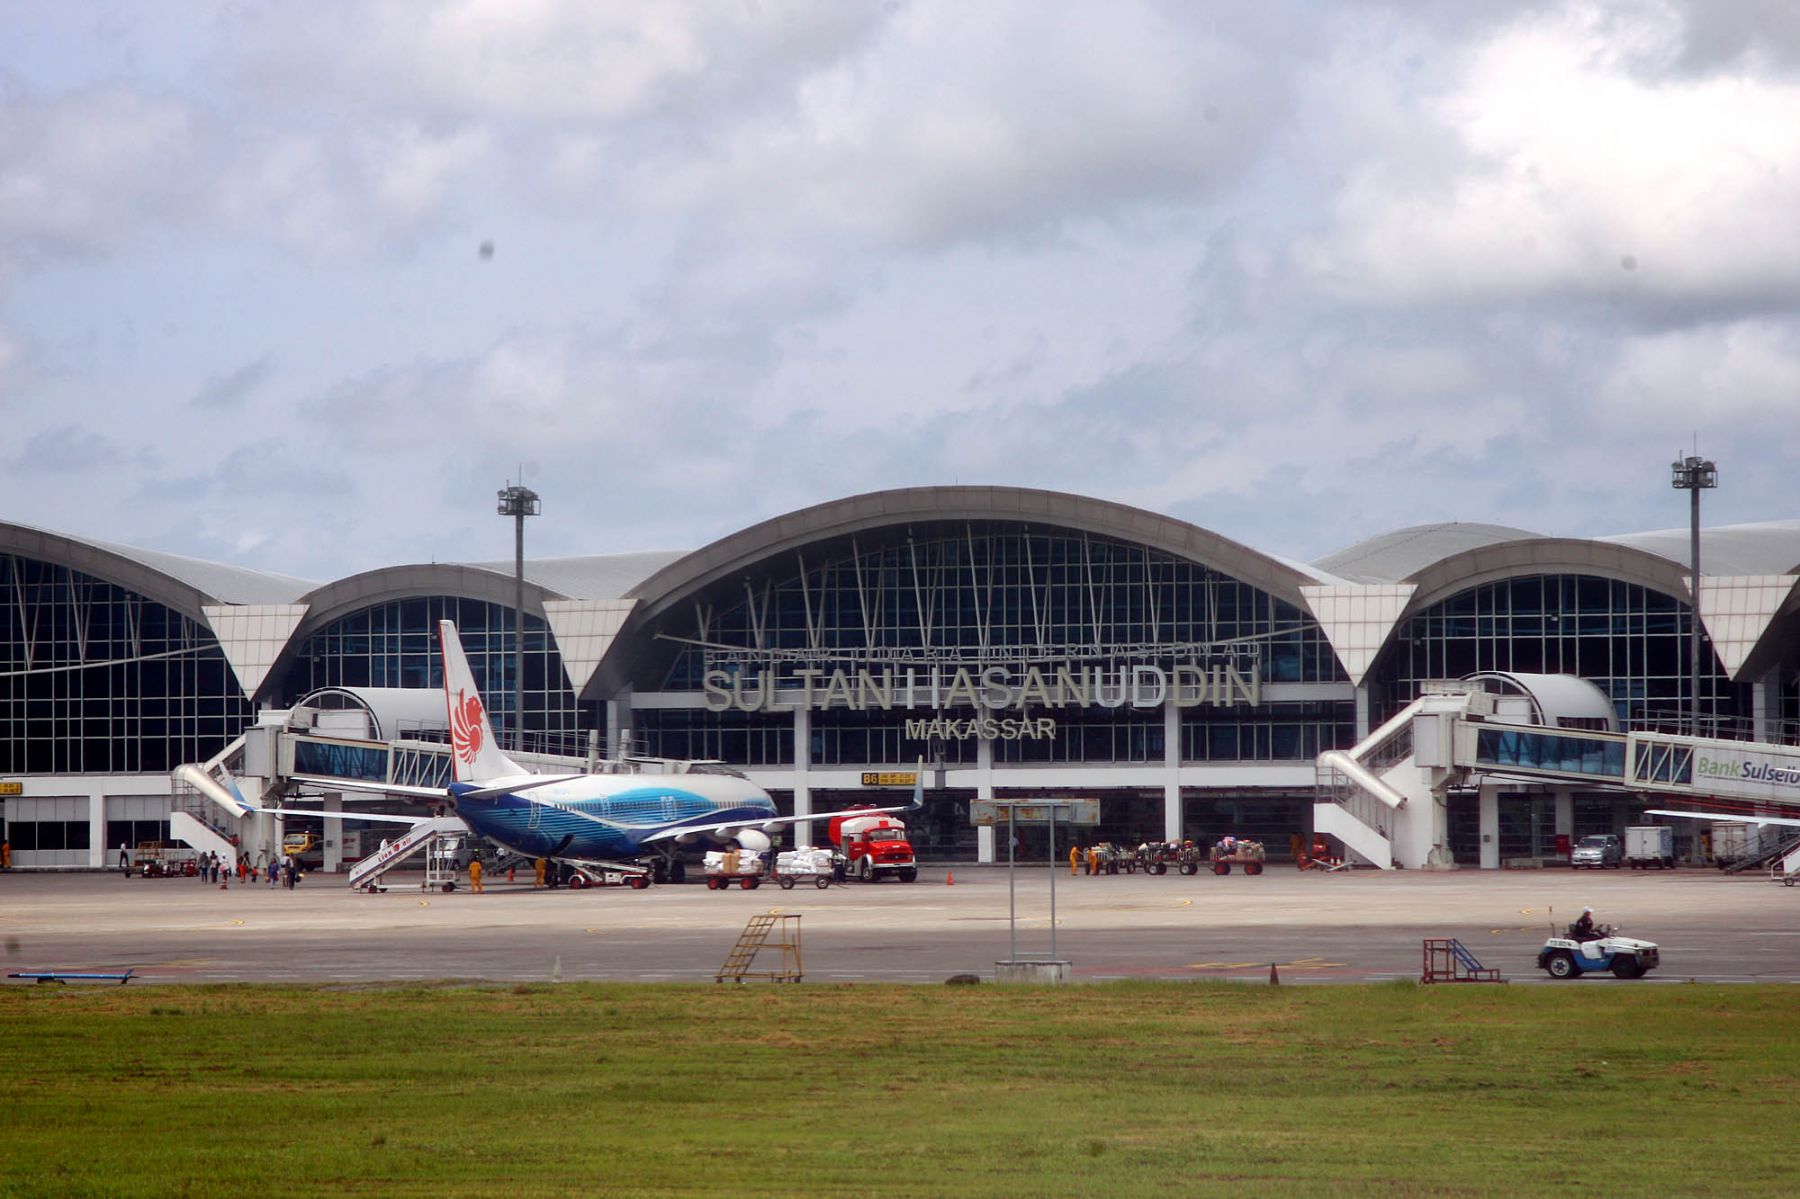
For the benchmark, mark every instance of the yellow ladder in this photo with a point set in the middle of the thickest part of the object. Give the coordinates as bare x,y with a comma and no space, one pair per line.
756,937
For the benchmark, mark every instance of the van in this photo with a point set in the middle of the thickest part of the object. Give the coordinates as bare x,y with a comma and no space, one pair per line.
1597,852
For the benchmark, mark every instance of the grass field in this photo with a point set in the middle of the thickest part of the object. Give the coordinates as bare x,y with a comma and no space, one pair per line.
762,1090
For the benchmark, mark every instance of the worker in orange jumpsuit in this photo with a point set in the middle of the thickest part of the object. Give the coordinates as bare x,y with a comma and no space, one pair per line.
538,869
475,875
1074,859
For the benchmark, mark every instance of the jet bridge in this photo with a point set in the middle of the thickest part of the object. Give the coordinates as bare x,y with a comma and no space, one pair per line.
255,769
1385,798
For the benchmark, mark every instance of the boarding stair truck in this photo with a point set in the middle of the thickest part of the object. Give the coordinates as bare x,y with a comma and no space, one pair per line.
439,839
1648,845
1785,869
871,847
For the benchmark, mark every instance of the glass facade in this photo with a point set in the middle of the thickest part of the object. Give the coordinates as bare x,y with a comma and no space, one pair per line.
990,593
96,679
395,645
1628,640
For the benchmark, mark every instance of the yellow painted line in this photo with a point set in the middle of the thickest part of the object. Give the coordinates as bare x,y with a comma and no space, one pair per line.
1186,903
424,903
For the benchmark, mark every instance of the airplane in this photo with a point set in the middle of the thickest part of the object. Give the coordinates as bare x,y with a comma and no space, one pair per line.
587,820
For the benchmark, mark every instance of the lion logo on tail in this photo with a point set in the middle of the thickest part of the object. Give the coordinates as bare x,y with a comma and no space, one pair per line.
465,727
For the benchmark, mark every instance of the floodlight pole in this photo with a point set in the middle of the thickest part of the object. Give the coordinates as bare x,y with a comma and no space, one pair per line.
518,502
1694,475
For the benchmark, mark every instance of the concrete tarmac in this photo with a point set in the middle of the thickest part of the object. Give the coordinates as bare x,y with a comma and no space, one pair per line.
1359,926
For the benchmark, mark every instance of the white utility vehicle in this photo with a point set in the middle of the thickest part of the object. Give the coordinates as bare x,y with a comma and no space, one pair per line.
1626,957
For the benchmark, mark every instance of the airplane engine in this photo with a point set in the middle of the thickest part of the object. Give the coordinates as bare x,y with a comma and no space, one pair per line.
755,840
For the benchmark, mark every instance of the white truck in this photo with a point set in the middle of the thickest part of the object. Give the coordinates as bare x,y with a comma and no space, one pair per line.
1648,845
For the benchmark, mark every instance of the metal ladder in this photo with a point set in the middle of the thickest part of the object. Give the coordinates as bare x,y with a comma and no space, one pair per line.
756,937
1447,960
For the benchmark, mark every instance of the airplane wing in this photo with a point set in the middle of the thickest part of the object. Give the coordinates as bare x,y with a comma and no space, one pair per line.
430,793
371,788
380,816
729,828
1732,817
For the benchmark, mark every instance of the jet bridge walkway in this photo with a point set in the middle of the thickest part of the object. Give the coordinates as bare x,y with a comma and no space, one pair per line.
1384,799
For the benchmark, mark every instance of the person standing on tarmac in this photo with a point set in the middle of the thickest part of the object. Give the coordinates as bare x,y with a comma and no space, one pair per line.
537,868
1074,859
475,875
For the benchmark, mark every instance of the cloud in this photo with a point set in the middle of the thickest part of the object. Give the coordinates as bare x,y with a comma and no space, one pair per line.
1580,163
1676,380
991,121
72,450
234,388
80,172
552,61
332,196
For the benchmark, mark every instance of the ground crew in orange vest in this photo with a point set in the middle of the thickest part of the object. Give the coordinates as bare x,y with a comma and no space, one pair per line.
538,868
1074,859
1093,862
475,875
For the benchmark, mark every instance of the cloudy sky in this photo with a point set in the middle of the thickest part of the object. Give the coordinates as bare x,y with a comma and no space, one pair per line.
300,286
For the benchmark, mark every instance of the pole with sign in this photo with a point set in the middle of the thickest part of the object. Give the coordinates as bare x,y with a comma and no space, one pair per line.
986,813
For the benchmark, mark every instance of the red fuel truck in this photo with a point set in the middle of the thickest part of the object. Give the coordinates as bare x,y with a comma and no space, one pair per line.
870,847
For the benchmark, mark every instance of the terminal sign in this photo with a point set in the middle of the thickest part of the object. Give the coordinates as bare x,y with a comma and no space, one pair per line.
12,788
890,778
991,812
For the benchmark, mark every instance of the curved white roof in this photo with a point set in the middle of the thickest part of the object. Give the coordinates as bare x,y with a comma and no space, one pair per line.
221,583
881,509
184,584
591,577
1391,557
1770,547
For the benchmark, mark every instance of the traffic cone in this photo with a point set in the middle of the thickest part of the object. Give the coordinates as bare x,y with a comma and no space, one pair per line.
949,878
1274,978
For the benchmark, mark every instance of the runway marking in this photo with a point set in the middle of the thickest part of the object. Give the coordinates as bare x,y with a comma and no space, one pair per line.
424,903
237,921
1186,903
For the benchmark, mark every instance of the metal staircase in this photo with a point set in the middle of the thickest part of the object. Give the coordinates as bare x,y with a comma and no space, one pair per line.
368,872
754,939
1447,960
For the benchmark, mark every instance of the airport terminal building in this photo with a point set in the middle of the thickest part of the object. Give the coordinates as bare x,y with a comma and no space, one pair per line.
1020,643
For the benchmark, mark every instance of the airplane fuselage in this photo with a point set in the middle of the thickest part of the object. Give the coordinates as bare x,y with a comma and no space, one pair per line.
606,817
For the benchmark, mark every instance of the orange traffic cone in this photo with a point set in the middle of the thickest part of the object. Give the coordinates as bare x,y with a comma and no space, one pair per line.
1274,978
949,878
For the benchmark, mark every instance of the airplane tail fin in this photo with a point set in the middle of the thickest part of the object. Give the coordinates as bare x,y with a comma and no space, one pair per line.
475,753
